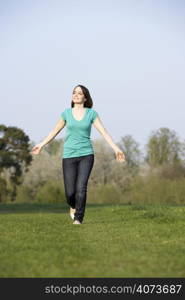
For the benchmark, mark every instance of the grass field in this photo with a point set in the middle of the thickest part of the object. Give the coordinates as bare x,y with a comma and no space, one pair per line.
39,240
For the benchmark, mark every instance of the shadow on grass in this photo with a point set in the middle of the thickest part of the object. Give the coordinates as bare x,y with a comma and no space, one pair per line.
62,207
44,207
33,207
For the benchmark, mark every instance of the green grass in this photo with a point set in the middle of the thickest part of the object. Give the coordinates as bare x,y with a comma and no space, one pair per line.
39,240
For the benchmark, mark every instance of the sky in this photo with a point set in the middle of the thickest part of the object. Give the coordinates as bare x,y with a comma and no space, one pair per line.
129,54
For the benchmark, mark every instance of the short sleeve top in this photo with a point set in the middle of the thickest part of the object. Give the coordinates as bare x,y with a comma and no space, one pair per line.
77,140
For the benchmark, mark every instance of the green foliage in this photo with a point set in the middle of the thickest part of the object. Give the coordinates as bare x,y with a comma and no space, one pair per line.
164,147
24,194
107,170
50,192
107,193
156,190
110,181
131,150
172,171
102,164
14,155
54,147
3,190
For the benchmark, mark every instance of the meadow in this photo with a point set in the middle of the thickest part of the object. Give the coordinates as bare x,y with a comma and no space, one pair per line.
115,240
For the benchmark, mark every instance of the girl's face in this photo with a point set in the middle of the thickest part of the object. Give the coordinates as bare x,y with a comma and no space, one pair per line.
78,96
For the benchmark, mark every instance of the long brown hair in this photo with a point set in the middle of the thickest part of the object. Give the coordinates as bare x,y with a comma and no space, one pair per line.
88,102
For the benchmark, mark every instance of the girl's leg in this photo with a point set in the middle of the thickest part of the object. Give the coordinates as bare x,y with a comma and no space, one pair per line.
85,166
70,177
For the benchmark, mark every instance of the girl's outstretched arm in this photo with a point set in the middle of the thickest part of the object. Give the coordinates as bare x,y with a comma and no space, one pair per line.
120,157
59,126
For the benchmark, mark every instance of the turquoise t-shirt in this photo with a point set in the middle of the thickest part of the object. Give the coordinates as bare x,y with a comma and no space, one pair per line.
77,140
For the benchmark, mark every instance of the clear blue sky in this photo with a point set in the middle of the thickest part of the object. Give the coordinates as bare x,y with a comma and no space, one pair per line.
130,54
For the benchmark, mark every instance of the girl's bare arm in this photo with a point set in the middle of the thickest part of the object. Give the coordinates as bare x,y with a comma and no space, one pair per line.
99,126
59,126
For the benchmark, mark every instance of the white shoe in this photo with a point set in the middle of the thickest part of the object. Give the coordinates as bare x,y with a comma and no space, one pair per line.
72,213
72,216
77,222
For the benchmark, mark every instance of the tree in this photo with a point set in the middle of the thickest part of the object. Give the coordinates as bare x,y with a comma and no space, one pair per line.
131,150
14,156
54,147
102,164
3,190
163,147
107,170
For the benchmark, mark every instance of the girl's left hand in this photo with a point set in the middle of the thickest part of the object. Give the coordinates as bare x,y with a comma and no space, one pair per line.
120,157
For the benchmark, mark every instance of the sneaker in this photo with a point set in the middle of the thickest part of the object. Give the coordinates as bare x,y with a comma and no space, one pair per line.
77,222
72,213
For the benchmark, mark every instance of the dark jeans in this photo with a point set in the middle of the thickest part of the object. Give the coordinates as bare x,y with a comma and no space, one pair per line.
76,171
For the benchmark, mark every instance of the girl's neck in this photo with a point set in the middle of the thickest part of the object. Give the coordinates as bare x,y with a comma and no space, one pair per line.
78,107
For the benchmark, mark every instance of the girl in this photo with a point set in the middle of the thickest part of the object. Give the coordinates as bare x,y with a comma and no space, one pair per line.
78,154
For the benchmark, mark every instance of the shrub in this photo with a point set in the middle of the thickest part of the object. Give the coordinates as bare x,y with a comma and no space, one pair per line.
107,193
156,190
24,194
51,192
172,171
3,190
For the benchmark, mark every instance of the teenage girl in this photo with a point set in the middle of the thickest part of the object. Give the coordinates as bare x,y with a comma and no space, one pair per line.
78,153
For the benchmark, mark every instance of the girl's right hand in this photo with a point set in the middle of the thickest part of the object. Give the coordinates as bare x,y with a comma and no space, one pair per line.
36,149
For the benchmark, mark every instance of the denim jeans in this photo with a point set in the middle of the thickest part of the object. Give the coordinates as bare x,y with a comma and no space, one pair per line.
76,172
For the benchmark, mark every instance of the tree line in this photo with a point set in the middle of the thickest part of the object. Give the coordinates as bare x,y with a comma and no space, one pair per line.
35,177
